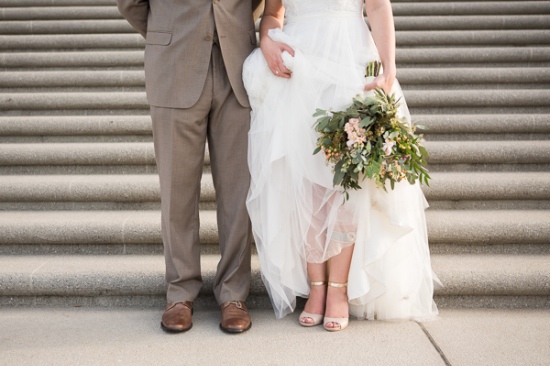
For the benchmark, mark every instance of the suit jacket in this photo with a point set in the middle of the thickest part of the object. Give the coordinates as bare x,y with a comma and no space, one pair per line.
179,36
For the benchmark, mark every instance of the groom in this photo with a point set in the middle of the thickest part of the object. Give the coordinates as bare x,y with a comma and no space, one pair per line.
193,61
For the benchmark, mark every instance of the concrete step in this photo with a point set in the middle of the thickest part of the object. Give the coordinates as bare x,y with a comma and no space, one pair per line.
472,22
480,124
112,280
489,152
136,128
435,100
409,8
72,101
77,154
488,78
41,12
524,56
480,99
438,126
79,192
127,59
75,125
58,9
474,78
80,26
406,57
34,3
143,227
404,38
71,42
522,153
69,78
472,38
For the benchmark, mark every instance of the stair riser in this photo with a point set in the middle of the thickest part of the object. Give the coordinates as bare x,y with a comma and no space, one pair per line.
402,23
213,248
125,227
475,22
74,125
84,139
503,204
151,169
83,26
144,189
79,169
477,137
483,124
140,125
491,249
60,13
471,8
144,138
441,152
38,60
419,99
205,302
34,3
528,56
473,168
23,283
64,10
403,39
410,78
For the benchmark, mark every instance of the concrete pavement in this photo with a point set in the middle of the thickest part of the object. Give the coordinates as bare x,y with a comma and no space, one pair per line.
130,336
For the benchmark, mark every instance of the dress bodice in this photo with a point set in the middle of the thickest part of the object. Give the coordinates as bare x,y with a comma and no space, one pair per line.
310,7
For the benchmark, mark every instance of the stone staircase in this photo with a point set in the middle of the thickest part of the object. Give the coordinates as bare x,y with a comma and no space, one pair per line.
79,197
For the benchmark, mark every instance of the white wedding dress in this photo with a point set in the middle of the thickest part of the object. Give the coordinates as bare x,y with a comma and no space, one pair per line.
297,215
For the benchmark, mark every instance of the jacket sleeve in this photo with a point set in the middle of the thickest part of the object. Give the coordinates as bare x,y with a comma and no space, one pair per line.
136,13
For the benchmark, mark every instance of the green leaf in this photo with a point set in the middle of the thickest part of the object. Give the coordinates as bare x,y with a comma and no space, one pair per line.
317,150
338,173
320,112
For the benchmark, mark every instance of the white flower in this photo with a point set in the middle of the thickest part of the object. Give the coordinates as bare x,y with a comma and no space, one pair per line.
388,146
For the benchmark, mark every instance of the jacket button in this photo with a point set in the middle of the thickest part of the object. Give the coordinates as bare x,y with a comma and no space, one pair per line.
208,38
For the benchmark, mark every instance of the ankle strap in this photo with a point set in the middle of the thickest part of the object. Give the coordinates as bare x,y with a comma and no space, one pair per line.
318,283
334,284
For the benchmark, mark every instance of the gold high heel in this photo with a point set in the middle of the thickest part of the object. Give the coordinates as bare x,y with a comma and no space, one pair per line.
317,318
342,322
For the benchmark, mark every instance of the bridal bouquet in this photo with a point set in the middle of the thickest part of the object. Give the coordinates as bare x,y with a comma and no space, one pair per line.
369,139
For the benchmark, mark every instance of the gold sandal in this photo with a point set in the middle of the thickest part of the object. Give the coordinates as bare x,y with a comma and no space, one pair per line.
317,318
342,322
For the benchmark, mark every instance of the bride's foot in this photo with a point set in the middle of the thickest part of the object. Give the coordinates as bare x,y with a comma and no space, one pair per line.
315,305
337,308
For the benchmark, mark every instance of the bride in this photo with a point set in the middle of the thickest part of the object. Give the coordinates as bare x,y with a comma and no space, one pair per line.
369,256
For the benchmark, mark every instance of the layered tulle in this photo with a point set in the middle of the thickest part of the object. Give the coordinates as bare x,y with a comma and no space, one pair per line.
297,215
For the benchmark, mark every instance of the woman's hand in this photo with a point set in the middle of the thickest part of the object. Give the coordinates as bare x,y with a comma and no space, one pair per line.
383,81
272,52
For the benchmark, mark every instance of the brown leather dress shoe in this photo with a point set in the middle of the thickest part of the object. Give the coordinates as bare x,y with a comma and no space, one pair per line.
177,317
235,317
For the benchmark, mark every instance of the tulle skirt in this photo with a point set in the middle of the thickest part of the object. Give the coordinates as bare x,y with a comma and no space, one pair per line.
297,215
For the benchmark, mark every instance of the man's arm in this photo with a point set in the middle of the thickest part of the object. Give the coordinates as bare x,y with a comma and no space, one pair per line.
136,13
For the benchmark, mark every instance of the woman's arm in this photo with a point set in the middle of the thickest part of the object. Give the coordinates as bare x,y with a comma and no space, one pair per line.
273,18
380,17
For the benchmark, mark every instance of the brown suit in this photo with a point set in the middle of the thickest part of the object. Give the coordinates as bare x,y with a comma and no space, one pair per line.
193,65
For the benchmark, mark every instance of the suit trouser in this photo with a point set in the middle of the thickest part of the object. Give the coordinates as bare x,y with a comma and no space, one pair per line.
179,137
